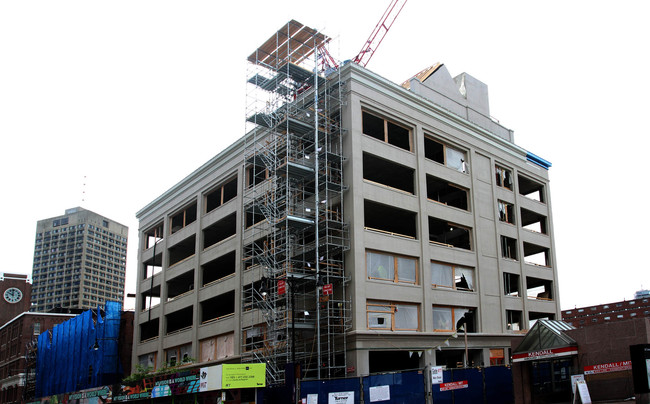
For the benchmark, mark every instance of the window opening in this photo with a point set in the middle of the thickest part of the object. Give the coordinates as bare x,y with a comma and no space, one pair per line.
183,218
388,173
180,320
446,155
390,220
153,235
511,284
508,247
182,250
218,307
506,212
386,131
513,320
396,268
540,289
218,268
449,234
219,231
220,195
444,192
531,189
180,285
534,316
452,276
450,318
503,177
536,255
533,221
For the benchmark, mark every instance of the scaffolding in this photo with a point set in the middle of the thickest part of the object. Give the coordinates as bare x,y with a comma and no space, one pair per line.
294,303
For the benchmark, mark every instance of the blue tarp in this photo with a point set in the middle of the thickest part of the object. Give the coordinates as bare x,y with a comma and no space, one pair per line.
80,353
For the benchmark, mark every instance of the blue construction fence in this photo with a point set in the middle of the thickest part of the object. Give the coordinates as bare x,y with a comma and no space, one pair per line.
80,353
491,385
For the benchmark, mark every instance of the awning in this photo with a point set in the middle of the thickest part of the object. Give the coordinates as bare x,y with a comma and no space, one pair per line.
545,340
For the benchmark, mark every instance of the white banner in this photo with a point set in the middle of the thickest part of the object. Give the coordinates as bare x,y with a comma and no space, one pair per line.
343,397
379,393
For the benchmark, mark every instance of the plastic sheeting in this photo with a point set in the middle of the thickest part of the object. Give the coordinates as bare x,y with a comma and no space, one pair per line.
80,353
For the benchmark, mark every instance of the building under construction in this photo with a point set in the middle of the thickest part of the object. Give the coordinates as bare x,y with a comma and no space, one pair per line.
355,228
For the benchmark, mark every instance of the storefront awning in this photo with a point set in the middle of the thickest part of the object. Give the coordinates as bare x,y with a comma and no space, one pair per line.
546,339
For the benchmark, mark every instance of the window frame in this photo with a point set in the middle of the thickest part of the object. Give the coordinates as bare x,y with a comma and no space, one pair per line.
500,172
453,268
395,258
386,122
454,320
392,307
464,168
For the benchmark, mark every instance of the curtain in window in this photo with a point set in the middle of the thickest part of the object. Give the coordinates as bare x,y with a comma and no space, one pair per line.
406,269
455,158
442,319
406,317
379,320
380,266
441,275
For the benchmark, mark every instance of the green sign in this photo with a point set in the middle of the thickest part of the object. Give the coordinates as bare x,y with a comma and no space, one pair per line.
244,375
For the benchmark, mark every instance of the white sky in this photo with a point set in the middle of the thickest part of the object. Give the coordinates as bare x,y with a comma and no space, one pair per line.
135,95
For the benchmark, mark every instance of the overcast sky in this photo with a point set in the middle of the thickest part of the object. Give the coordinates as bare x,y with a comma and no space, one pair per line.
129,97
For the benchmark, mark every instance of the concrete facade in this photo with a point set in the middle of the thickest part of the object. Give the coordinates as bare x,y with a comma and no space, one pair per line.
439,136
79,261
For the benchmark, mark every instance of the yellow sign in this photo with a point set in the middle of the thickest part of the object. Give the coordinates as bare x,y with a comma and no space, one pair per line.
244,375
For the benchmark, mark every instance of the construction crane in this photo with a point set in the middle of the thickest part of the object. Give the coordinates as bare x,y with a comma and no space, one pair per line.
380,31
374,40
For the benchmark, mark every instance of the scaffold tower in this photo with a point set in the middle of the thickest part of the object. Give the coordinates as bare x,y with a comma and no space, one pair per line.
294,303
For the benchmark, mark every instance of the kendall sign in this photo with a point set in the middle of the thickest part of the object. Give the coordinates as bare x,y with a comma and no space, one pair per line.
608,367
545,354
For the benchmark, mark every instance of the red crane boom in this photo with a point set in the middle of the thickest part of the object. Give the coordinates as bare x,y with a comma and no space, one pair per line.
378,34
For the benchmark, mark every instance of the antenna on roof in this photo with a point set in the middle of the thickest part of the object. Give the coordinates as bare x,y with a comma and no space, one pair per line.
83,191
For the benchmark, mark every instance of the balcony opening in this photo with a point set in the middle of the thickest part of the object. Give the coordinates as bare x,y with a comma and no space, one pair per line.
534,316
540,289
153,235
513,320
533,221
182,250
388,173
219,268
390,220
386,131
150,298
506,212
183,218
511,284
531,189
445,155
149,330
221,195
503,177
180,285
536,255
152,266
449,234
218,307
444,192
180,320
220,230
508,247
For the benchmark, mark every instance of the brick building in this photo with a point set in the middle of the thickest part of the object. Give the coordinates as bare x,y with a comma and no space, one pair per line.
16,290
607,313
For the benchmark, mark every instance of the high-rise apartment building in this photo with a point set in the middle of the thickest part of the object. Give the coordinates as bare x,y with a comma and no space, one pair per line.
359,226
79,261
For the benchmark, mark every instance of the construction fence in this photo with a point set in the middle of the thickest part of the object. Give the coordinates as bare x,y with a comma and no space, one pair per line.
491,385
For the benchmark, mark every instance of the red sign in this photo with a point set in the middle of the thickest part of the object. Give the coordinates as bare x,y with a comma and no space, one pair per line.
328,289
454,385
608,367
545,354
282,287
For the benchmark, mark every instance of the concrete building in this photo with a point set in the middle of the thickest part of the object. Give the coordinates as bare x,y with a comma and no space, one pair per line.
79,261
16,292
608,313
354,229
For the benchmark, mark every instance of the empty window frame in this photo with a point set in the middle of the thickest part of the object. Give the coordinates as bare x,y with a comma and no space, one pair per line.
149,330
180,320
511,285
152,266
388,173
218,307
386,131
218,268
220,195
446,155
450,318
514,320
536,255
452,276
508,247
180,285
449,234
531,189
253,215
393,316
220,230
182,250
395,268
390,220
503,177
256,174
150,298
540,289
533,221
148,361
444,192
183,218
153,235
178,355
506,212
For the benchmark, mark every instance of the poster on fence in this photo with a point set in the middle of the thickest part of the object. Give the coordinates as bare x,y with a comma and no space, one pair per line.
436,374
380,393
342,397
